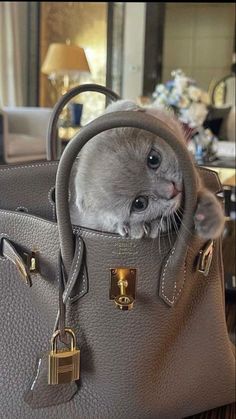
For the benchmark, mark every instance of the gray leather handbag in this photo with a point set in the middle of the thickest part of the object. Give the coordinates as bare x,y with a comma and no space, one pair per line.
148,319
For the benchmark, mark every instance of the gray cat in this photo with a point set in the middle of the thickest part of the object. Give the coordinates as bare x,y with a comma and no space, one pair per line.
128,181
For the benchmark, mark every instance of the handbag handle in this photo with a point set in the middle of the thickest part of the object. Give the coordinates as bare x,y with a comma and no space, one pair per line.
142,121
52,127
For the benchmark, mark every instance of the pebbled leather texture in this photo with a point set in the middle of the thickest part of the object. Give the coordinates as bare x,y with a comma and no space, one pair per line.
154,361
29,188
40,394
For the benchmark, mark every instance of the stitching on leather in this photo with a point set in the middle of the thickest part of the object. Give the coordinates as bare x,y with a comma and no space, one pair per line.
88,233
51,203
74,272
58,313
18,214
29,167
181,288
163,276
175,296
37,374
83,287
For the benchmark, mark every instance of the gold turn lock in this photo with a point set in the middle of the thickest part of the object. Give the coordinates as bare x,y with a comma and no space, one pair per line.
63,364
31,261
122,289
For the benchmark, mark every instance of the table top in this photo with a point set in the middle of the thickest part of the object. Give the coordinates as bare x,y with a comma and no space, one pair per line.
226,162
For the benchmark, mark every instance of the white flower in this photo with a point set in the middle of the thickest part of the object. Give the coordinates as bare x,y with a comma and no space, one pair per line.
194,93
161,89
197,113
183,96
181,82
184,102
184,116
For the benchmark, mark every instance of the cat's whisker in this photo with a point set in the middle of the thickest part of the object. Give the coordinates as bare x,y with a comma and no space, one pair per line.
167,223
169,229
182,223
180,236
158,235
160,231
180,210
175,224
176,227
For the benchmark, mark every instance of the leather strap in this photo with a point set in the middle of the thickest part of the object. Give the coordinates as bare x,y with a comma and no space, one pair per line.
62,305
141,121
9,251
52,128
66,285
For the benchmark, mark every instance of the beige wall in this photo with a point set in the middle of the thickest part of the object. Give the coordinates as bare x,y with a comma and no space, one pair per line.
199,39
133,52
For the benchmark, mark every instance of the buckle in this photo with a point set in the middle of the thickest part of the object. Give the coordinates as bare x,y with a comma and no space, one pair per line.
205,258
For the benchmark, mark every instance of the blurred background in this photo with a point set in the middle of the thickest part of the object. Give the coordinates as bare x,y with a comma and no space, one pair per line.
130,47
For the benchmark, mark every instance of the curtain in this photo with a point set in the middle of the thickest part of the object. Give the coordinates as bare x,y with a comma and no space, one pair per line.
11,65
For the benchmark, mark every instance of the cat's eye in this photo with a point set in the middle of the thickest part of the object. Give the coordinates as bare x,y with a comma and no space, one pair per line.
139,204
154,159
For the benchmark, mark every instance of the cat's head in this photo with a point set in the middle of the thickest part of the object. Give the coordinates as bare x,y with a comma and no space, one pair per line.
129,174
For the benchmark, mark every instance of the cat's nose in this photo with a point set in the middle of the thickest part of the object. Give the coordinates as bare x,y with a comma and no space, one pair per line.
173,190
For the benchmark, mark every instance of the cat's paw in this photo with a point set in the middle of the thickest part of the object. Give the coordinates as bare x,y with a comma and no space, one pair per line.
134,231
156,227
140,230
209,217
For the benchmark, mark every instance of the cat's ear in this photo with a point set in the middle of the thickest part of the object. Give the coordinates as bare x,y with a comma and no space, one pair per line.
122,105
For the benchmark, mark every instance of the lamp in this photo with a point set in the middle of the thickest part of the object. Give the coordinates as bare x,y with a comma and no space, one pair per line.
63,64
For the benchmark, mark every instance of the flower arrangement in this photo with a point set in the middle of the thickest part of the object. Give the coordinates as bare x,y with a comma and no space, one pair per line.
189,102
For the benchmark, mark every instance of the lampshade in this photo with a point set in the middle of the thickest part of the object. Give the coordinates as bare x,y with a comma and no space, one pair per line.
64,58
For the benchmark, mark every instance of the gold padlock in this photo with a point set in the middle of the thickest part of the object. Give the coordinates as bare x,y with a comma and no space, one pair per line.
63,364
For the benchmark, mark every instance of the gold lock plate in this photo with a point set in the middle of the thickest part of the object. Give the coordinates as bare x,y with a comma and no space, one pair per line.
123,287
205,258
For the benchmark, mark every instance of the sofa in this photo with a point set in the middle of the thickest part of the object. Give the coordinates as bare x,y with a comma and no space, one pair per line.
24,131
